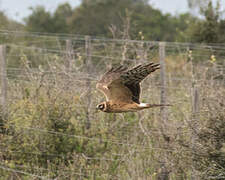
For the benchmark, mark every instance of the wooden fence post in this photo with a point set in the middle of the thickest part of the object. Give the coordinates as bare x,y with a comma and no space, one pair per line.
164,173
88,64
69,49
3,93
195,111
162,80
195,100
88,52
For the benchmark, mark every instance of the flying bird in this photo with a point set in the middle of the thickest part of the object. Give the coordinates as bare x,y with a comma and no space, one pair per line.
121,88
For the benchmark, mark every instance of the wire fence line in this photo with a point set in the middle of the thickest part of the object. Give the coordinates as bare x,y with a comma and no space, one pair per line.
153,131
62,157
39,169
39,63
22,172
115,49
88,138
19,76
79,53
92,138
97,38
11,72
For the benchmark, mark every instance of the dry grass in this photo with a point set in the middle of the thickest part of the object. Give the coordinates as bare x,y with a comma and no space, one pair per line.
46,132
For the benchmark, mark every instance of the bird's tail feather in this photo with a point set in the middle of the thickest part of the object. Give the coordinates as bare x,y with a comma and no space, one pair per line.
147,105
158,105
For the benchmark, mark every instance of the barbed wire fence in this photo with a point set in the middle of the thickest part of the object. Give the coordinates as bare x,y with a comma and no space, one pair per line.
73,63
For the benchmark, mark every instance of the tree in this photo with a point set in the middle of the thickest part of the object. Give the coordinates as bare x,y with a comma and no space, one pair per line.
40,20
95,18
197,4
183,23
8,24
61,18
207,30
4,21
97,1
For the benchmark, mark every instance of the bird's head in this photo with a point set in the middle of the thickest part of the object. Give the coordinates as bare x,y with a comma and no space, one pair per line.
102,106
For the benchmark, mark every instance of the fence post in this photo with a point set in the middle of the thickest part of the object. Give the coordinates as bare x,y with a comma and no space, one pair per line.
195,100
195,111
68,55
164,173
3,79
162,80
88,63
88,52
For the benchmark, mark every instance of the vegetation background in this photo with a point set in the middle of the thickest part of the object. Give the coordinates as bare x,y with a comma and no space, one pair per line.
49,128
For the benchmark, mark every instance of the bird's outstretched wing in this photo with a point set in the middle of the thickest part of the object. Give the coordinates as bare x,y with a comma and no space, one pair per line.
134,76
112,87
120,84
138,73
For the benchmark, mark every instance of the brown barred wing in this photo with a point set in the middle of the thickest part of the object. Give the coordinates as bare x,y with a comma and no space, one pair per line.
133,77
111,75
135,90
110,84
138,73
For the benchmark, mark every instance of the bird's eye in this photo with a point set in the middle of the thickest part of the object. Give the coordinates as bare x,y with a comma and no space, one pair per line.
101,106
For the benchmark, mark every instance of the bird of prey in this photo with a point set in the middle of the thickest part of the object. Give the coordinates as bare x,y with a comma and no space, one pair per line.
121,88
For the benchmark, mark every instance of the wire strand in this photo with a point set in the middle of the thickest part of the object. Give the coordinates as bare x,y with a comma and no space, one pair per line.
22,172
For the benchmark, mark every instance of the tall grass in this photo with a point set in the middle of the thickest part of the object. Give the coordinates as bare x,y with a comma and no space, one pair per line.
45,132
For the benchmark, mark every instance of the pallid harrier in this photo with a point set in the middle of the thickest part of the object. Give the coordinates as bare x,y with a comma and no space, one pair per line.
121,88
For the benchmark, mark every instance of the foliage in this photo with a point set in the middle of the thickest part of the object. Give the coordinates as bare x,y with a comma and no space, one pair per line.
39,20
8,24
4,20
199,4
96,17
61,18
207,152
207,31
45,132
